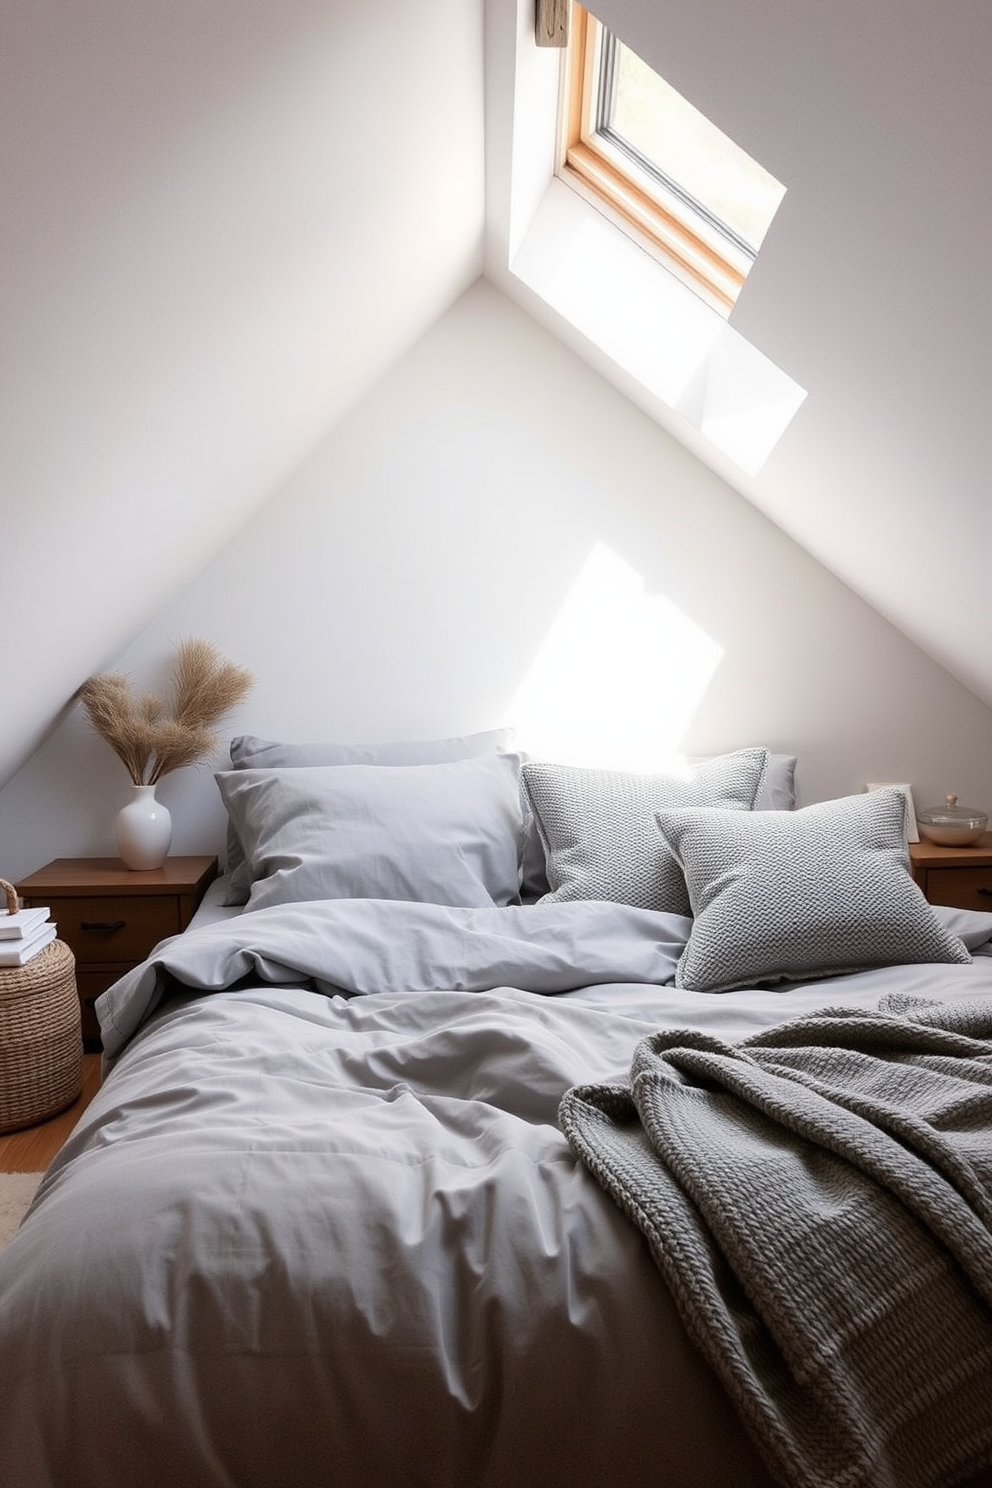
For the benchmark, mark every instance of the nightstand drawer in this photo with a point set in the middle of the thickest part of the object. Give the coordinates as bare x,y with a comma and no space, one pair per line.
963,888
121,928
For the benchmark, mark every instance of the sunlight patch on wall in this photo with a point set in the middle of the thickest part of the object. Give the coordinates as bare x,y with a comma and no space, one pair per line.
619,675
572,265
676,346
627,307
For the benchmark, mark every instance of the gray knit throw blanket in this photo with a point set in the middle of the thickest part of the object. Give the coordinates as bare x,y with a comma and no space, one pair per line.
819,1200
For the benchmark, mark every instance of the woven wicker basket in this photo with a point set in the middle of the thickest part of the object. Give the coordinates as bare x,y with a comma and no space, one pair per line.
41,1046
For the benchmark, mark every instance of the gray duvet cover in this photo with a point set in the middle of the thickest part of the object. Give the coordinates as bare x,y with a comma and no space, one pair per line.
320,1225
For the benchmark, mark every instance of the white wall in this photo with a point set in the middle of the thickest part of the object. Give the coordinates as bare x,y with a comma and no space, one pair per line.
411,576
223,220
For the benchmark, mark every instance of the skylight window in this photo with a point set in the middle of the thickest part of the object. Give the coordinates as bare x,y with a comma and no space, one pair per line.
659,166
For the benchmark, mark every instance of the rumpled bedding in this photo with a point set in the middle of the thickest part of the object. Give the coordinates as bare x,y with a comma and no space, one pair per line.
321,1225
359,947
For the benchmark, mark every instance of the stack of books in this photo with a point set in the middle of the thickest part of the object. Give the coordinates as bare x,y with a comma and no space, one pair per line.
23,934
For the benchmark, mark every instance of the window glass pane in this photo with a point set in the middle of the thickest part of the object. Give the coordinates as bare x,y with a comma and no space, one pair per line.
675,138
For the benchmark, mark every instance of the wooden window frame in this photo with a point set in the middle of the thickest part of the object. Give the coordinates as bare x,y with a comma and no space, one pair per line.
588,161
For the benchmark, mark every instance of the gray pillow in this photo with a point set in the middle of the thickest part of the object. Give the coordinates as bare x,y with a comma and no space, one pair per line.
788,896
778,789
599,831
248,752
439,834
251,753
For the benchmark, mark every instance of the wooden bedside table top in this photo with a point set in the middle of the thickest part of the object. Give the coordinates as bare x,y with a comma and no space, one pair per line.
933,855
80,876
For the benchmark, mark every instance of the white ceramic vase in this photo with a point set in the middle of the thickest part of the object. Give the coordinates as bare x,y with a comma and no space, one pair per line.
144,829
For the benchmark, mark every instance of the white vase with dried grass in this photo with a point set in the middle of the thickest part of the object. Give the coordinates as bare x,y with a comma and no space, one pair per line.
152,742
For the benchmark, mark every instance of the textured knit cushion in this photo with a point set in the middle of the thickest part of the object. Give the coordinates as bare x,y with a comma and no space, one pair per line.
599,831
791,896
778,789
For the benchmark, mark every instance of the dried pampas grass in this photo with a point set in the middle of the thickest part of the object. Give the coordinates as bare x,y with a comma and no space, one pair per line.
151,742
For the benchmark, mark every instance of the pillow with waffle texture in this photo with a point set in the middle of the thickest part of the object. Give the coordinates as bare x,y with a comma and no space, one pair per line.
599,832
778,789
793,896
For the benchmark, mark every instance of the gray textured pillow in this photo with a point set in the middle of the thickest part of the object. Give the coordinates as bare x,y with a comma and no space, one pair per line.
778,789
439,834
787,896
248,752
599,831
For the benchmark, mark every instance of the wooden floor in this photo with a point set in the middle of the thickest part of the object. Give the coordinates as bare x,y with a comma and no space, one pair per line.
31,1150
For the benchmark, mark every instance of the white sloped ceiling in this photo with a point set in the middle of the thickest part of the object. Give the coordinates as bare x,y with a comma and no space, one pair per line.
872,289
222,221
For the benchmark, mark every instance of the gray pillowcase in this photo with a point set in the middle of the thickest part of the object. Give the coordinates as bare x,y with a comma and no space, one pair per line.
599,831
248,752
782,896
778,789
439,834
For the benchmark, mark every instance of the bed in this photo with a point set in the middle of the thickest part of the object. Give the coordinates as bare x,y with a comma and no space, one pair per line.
384,1184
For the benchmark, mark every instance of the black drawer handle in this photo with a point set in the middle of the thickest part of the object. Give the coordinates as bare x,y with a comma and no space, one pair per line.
102,927
986,892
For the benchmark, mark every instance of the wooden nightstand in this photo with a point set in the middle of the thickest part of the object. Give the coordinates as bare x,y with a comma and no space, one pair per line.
111,917
960,876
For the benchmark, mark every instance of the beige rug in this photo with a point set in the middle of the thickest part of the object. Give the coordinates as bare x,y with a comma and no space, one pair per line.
16,1192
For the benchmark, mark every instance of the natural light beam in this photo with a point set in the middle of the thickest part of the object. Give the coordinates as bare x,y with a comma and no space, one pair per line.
619,675
655,328
611,290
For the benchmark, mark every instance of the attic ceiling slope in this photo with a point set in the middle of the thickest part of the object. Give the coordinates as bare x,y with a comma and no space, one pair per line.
870,289
213,245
